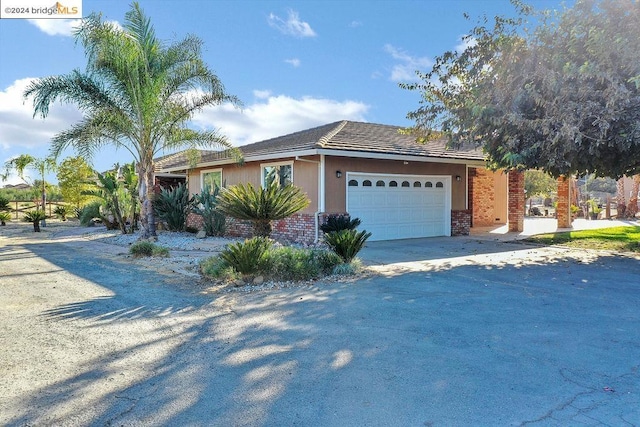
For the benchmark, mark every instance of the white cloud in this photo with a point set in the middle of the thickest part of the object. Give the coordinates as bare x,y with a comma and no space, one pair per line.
276,116
293,61
293,26
355,24
261,94
20,132
405,69
56,27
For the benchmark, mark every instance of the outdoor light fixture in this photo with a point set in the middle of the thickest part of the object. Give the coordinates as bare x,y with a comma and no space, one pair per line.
338,174
458,178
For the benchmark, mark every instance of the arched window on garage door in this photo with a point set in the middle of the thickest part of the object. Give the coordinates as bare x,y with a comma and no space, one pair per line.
353,183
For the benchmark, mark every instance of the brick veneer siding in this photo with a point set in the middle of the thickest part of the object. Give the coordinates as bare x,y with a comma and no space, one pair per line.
460,222
482,197
299,228
563,210
516,201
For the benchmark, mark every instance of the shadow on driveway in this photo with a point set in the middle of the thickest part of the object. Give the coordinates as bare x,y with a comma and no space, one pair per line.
549,341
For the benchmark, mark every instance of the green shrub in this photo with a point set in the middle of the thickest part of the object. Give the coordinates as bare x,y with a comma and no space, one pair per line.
88,213
4,203
217,268
289,263
347,243
205,204
190,229
147,249
247,257
4,217
347,269
62,211
173,206
339,222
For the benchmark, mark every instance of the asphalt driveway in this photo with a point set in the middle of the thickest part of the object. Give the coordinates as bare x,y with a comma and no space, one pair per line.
454,331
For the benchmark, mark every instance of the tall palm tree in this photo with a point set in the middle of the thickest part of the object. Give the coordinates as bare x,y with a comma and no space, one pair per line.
137,93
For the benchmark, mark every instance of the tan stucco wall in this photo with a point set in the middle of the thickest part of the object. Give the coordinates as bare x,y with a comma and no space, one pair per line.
336,188
305,176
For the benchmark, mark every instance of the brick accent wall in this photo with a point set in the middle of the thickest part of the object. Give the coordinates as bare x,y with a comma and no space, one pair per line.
563,210
194,221
299,228
460,222
516,201
481,197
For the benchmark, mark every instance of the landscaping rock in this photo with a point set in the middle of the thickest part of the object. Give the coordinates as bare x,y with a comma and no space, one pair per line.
258,280
201,234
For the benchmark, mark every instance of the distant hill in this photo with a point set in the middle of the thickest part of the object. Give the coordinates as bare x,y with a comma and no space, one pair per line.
20,186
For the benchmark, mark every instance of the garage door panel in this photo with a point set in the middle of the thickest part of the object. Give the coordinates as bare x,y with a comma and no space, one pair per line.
401,212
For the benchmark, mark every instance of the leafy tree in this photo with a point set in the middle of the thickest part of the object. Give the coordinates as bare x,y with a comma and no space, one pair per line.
563,96
262,205
73,176
137,93
539,183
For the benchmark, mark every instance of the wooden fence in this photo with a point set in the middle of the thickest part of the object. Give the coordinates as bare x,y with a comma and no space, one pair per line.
22,206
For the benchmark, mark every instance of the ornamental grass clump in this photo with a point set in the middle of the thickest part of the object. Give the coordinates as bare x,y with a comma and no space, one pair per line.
147,249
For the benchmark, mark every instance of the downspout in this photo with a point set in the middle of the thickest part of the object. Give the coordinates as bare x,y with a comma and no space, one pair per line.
321,196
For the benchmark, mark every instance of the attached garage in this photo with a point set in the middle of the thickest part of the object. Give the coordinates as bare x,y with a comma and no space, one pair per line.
400,206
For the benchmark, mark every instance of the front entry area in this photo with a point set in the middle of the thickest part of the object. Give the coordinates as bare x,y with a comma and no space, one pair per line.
395,206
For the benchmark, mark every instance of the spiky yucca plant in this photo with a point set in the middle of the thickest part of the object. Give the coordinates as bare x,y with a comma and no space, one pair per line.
4,217
262,205
173,206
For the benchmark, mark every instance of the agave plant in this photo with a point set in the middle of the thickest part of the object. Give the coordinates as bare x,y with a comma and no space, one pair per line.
205,204
62,211
262,205
173,205
35,217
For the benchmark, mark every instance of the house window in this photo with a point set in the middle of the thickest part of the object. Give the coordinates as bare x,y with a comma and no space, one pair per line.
282,173
211,178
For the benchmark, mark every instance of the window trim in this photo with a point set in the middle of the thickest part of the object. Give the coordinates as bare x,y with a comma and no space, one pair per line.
274,164
207,171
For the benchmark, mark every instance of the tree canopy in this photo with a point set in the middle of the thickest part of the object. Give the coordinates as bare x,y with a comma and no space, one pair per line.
552,90
137,93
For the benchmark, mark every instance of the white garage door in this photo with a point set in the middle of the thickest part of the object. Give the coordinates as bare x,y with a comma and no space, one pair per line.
400,206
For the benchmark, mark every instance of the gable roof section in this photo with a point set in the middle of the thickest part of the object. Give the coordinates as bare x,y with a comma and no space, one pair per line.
344,138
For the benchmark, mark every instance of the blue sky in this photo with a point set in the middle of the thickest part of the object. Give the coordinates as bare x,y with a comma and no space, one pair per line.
293,64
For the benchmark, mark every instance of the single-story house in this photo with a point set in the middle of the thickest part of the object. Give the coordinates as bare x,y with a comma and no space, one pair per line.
396,186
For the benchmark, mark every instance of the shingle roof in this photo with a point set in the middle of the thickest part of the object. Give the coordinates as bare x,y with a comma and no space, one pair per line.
343,138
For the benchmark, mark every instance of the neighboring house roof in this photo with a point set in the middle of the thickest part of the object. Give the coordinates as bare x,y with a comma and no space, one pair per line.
344,138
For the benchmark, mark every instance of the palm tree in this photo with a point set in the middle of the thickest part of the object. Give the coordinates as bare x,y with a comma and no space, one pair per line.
108,189
262,205
137,93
